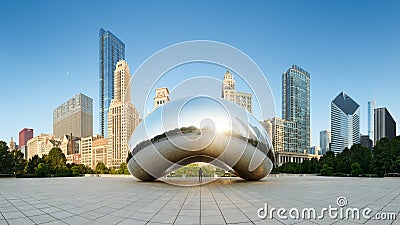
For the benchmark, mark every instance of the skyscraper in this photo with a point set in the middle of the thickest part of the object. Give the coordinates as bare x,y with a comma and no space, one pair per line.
122,117
74,116
371,108
296,104
24,136
324,140
284,136
365,141
111,50
384,124
345,123
229,93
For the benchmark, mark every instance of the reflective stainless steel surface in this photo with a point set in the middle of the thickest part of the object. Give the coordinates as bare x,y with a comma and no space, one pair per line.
200,129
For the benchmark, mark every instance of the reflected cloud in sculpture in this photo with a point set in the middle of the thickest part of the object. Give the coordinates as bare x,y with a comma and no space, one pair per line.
200,129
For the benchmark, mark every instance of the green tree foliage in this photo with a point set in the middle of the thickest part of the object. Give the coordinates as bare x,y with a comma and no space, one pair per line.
11,162
101,168
329,159
123,169
18,162
385,156
334,164
64,172
356,169
5,158
33,163
326,170
55,160
192,170
42,170
356,154
75,170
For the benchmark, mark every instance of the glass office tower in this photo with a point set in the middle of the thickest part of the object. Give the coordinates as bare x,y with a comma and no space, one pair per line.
384,124
296,104
111,50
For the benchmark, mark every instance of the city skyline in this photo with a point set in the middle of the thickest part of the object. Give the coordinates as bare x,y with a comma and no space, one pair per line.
338,47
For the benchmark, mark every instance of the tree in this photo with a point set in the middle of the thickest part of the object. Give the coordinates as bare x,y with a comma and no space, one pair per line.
326,170
55,159
64,171
123,169
101,168
381,154
329,159
42,170
33,163
6,159
75,170
18,162
356,154
356,169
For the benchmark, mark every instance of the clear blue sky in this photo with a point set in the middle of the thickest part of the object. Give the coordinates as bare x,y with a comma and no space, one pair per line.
351,46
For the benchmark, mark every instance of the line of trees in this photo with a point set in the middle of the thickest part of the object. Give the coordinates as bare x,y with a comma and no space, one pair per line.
52,164
358,160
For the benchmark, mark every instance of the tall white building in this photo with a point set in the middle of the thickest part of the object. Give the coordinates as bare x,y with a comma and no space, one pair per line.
284,135
371,108
345,123
229,93
324,141
122,117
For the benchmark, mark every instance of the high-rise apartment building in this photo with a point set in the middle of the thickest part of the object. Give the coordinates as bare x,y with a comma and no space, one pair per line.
384,125
371,109
296,104
345,123
229,93
324,141
74,116
111,50
162,97
284,138
122,117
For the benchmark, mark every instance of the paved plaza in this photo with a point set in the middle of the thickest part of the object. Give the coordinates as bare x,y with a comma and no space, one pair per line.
115,200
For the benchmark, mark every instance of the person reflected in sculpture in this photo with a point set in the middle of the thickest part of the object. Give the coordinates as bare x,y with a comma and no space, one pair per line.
200,175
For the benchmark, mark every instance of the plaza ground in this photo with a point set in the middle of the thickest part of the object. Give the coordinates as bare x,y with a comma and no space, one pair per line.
116,200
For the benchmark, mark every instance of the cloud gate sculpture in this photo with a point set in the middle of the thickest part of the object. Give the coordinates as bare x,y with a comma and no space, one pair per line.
200,129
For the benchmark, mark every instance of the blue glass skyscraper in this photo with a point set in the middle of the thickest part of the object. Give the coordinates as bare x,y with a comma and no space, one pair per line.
296,104
111,50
